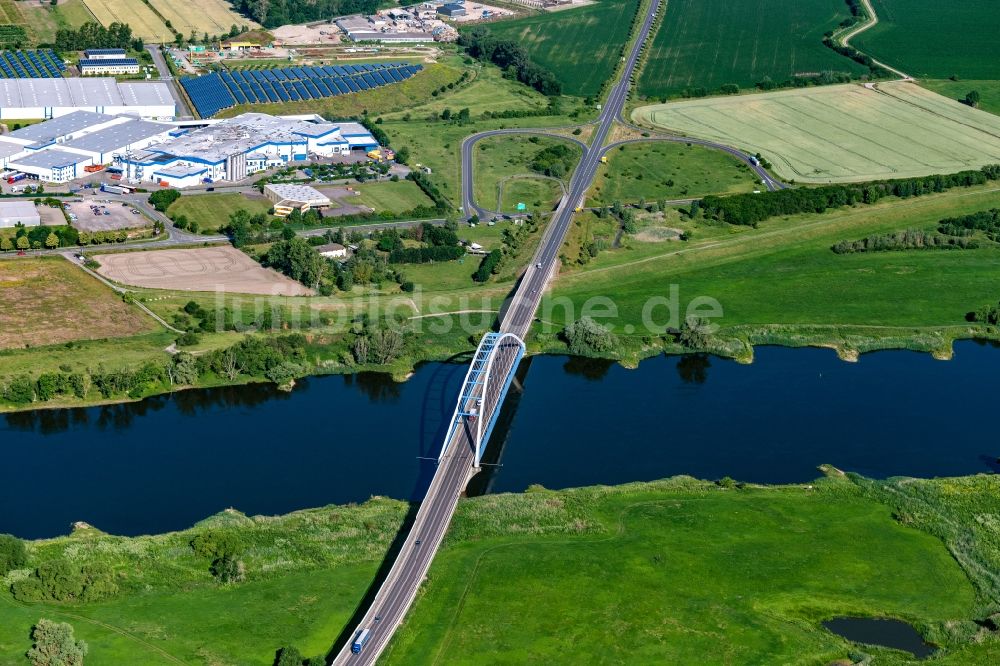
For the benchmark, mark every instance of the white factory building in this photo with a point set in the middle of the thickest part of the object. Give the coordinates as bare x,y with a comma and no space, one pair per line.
23,99
13,213
234,148
59,150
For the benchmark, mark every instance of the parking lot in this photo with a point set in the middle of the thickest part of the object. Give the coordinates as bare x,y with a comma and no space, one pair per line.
99,214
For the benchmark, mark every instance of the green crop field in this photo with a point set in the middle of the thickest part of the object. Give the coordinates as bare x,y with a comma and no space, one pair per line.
212,211
927,39
989,91
581,46
842,133
666,170
709,43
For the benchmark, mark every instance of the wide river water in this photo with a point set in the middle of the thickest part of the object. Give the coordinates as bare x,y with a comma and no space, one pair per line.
167,462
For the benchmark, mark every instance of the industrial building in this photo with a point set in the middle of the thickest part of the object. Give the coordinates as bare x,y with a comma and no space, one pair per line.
62,149
97,66
287,198
22,99
13,213
452,10
234,148
104,54
59,150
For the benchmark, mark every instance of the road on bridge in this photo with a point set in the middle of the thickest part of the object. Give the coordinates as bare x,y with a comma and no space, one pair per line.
397,592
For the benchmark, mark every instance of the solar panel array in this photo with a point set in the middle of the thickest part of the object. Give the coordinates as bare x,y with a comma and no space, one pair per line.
41,64
211,93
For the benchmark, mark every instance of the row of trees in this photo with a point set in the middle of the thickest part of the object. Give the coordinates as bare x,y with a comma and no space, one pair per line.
988,314
273,13
751,209
985,220
911,239
511,57
62,580
93,35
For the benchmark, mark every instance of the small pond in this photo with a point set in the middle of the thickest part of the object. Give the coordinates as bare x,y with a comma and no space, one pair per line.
885,632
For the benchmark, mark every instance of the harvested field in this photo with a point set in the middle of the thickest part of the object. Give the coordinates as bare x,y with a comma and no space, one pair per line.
144,23
843,133
48,300
200,269
214,17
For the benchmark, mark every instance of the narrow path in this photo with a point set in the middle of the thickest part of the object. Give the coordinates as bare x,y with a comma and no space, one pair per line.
854,31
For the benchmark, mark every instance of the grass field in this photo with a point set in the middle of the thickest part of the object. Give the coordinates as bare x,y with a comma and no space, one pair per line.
395,97
144,23
502,165
703,574
709,43
581,46
212,211
397,197
666,170
214,17
923,41
783,277
44,19
655,575
843,133
44,301
957,90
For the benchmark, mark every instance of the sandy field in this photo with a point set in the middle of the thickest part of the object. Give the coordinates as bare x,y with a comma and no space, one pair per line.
199,269
306,35
842,133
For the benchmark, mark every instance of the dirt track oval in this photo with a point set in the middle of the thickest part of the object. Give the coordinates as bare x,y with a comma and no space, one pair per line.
200,269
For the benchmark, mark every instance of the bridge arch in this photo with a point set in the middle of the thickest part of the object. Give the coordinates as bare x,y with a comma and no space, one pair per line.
483,390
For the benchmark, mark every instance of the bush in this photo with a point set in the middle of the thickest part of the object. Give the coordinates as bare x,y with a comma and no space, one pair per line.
161,199
489,263
228,570
55,645
586,337
62,580
12,553
214,544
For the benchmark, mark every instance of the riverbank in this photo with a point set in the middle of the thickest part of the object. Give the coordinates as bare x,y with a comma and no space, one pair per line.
604,564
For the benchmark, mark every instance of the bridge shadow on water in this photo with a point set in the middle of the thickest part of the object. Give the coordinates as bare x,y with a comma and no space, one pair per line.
438,407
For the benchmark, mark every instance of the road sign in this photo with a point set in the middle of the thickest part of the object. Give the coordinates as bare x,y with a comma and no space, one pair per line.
522,206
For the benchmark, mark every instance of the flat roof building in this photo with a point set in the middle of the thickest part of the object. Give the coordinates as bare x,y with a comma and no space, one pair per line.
287,198
92,66
50,98
234,148
452,9
13,213
52,165
104,54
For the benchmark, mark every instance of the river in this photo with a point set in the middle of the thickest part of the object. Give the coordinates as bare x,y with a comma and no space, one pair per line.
166,462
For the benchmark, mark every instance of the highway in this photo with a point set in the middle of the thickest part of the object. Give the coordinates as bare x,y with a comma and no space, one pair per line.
397,592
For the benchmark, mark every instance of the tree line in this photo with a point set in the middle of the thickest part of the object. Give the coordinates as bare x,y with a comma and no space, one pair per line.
93,35
274,13
511,57
911,239
984,220
751,209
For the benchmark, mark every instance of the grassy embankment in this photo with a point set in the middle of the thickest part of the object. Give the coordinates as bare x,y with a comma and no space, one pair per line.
781,283
666,170
395,197
502,165
693,568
